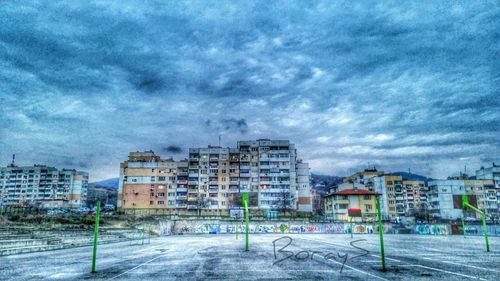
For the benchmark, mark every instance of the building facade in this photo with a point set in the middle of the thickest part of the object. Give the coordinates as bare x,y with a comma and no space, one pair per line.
337,205
212,179
414,196
390,188
445,203
490,173
42,186
148,182
364,176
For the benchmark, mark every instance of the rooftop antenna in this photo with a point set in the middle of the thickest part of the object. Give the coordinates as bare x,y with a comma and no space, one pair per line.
13,160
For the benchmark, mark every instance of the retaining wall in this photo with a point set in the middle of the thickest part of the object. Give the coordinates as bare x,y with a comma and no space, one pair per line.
168,227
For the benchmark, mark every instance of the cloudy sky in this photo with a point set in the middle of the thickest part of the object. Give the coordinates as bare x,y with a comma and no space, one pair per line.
352,85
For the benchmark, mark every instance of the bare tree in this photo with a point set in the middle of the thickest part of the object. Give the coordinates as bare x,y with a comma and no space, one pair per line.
284,202
234,200
201,203
421,212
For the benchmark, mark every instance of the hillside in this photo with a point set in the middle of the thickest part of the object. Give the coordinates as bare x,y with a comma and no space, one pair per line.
108,184
411,176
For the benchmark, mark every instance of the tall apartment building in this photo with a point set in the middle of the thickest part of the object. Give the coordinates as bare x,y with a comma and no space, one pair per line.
392,199
414,195
149,182
212,179
42,186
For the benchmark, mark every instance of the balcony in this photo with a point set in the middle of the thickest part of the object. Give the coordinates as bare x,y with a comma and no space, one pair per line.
192,182
245,158
182,182
193,191
181,189
181,205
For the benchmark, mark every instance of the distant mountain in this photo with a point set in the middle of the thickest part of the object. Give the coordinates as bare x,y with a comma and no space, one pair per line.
323,182
108,184
410,176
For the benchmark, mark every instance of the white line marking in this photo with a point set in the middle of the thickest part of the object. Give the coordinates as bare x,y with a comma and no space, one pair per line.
355,269
136,267
445,271
461,264
387,258
147,249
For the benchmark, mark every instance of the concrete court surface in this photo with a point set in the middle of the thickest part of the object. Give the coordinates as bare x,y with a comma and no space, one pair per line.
222,257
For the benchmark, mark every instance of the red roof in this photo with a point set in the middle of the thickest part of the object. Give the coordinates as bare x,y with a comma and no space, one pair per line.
355,192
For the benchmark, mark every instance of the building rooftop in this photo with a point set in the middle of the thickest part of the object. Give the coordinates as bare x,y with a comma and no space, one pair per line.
354,192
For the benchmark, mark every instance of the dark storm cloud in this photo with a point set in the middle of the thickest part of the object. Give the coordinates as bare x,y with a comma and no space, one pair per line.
229,125
173,149
396,85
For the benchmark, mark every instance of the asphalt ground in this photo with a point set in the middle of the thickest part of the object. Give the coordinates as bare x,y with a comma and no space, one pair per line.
270,257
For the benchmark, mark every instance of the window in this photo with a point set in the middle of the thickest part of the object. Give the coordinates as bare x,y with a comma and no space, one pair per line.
367,197
161,202
343,206
368,207
161,194
151,202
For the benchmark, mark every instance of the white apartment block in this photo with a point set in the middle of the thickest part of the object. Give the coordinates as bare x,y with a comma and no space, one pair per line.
42,186
490,173
441,201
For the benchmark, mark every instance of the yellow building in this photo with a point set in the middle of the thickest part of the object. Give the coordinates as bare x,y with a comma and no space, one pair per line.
337,204
486,195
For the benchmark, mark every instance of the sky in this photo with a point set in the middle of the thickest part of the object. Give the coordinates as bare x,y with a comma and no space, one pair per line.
398,86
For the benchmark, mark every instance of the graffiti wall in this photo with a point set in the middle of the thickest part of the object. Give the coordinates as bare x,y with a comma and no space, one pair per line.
198,227
216,227
432,229
477,229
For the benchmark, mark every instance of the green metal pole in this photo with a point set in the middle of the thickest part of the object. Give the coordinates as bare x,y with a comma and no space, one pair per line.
246,224
465,204
351,227
463,226
485,231
237,224
380,230
96,234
